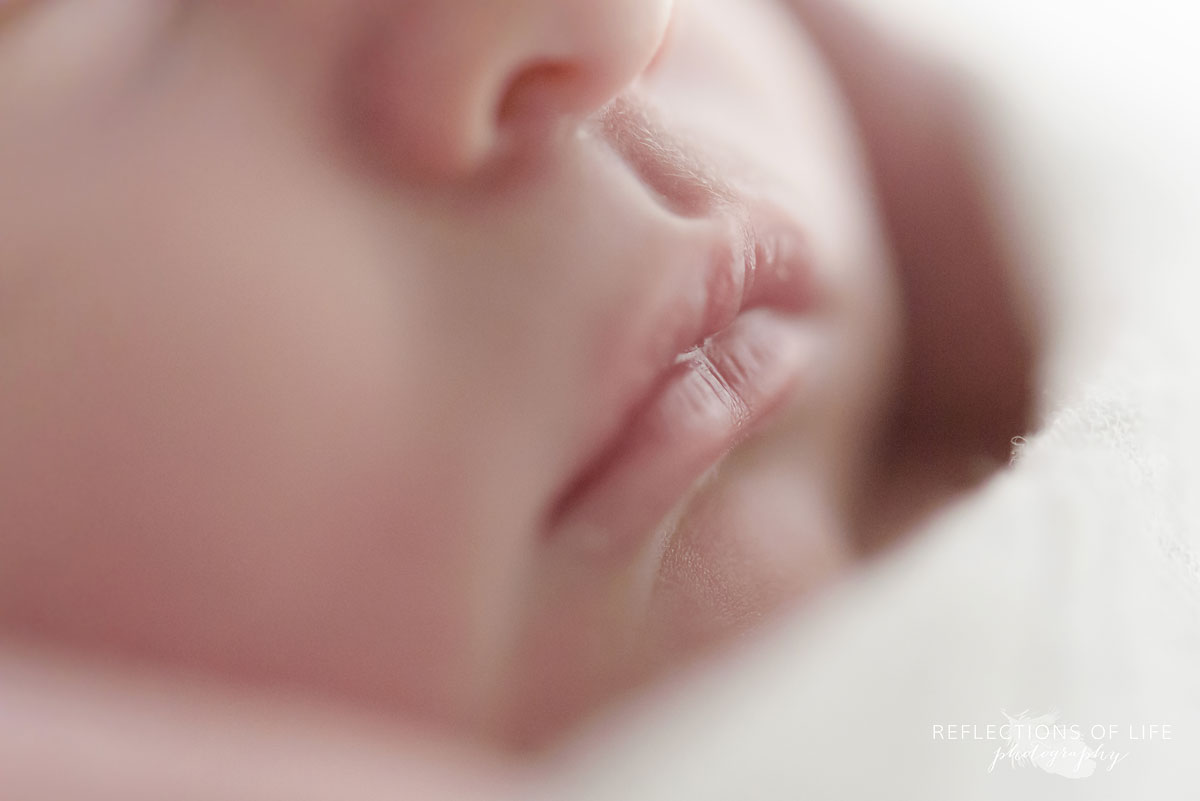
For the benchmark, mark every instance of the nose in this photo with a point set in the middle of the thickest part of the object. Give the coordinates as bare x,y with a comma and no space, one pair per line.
443,86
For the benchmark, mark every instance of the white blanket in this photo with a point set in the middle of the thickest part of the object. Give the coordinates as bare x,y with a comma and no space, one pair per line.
1064,598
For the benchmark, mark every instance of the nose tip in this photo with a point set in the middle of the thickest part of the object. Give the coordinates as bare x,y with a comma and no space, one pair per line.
442,90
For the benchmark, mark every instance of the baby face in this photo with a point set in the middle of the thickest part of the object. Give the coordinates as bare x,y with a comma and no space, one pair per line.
471,360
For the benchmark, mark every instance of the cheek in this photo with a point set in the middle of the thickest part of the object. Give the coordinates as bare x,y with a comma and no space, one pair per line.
196,342
234,420
156,386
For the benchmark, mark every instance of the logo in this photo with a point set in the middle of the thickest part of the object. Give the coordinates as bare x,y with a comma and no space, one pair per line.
1046,743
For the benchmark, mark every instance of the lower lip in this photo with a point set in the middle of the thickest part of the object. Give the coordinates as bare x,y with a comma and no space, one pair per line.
714,397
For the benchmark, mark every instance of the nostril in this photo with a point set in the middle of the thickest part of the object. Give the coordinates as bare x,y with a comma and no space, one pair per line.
441,96
539,91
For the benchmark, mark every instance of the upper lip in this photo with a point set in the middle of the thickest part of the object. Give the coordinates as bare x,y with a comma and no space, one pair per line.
758,257
765,246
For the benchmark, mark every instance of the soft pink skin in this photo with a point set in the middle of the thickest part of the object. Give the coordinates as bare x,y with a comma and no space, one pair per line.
309,309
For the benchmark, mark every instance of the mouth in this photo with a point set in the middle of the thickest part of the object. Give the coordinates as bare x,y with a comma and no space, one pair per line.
726,350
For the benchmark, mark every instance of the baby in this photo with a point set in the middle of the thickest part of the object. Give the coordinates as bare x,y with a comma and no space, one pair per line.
471,361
